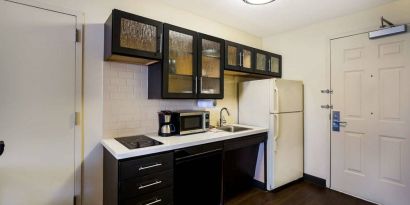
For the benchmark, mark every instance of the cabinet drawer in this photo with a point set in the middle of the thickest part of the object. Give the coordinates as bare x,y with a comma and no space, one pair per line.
146,184
161,197
145,165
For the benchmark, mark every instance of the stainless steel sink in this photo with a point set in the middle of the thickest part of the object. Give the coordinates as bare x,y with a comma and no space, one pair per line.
233,128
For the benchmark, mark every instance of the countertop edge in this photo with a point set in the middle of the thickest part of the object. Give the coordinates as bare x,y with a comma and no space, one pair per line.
121,152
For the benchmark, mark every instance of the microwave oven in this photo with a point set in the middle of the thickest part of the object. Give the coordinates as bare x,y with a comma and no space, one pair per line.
190,121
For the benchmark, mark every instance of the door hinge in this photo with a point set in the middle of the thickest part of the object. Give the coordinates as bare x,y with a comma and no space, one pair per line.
76,118
77,35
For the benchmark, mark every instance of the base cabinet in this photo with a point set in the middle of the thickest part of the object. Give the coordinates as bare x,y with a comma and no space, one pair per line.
206,174
139,181
198,175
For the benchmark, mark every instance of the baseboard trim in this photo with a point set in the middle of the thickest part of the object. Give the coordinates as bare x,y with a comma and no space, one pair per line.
258,184
287,185
315,180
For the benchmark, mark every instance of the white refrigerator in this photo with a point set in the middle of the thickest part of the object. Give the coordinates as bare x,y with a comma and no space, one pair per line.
278,105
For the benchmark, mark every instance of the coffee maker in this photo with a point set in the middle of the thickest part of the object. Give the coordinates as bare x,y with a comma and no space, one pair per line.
165,127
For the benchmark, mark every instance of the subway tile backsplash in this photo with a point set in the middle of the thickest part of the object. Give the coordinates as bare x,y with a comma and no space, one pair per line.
128,111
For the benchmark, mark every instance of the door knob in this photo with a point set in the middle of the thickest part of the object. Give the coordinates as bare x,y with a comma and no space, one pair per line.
1,147
341,123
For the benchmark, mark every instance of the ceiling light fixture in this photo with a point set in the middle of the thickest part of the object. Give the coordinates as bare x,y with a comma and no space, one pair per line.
258,2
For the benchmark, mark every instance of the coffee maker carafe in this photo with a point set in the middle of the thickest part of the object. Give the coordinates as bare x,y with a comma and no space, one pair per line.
165,127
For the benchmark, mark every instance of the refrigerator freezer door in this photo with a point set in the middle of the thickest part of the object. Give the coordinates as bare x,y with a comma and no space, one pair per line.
286,96
288,148
254,103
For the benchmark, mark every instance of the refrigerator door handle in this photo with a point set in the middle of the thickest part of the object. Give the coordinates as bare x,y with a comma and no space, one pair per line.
276,98
276,130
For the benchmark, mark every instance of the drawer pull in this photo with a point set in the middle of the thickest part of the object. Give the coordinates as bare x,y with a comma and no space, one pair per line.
154,202
148,185
149,167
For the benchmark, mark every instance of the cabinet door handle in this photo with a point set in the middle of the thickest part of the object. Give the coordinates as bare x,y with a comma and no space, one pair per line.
200,84
240,58
154,202
149,185
270,66
149,167
196,84
160,43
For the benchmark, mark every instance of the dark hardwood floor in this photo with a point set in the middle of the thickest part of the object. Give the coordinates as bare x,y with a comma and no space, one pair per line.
301,193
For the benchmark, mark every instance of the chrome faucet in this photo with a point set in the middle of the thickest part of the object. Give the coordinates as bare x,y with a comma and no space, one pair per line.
222,120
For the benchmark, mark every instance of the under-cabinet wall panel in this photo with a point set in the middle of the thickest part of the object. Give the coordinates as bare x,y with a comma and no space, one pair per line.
127,110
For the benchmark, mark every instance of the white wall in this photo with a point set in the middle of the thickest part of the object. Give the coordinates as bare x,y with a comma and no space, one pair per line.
306,57
96,13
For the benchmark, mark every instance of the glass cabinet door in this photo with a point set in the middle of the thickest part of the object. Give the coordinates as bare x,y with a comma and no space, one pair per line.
275,65
133,36
210,67
179,62
261,61
247,59
233,56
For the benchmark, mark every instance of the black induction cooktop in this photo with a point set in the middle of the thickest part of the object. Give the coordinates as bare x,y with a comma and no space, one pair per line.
138,141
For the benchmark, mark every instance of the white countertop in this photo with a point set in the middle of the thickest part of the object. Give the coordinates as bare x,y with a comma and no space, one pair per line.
119,151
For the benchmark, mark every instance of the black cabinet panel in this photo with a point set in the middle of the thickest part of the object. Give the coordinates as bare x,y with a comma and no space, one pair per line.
198,176
145,165
240,156
146,184
161,197
131,38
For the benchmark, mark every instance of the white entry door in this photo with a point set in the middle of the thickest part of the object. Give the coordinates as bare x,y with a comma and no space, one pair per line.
37,105
370,155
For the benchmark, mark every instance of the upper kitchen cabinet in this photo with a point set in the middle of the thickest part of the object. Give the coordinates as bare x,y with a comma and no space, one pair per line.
268,63
192,66
179,77
275,65
210,67
133,39
262,65
239,57
244,59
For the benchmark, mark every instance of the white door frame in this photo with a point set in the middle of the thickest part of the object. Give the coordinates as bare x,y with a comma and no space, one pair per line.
79,108
329,74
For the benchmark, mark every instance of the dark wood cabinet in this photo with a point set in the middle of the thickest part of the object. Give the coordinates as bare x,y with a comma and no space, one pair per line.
244,59
191,66
180,65
261,61
133,39
239,57
275,65
205,174
136,180
198,175
211,57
